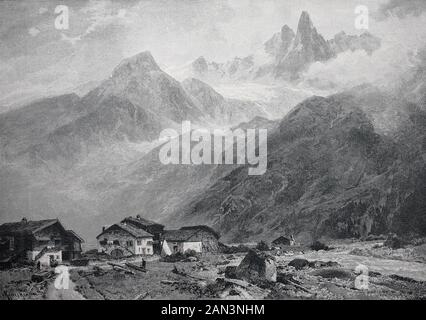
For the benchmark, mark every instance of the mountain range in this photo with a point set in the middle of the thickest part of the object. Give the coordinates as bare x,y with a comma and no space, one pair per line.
289,54
67,155
133,105
345,165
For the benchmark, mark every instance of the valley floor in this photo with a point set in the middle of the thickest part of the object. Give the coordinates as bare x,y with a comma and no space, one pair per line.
392,274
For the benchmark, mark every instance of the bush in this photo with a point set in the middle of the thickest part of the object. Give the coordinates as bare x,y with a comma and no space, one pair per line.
175,257
317,245
394,242
191,253
232,249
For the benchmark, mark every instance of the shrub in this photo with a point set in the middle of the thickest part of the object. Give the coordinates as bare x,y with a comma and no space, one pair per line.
232,249
191,253
317,245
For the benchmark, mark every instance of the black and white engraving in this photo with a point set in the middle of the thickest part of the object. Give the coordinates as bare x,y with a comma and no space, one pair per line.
213,149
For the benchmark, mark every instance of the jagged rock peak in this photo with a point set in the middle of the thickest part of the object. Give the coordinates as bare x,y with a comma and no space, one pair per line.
200,65
305,22
286,33
310,42
140,63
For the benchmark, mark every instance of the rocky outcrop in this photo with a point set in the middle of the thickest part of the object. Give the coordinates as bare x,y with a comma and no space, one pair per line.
279,45
308,47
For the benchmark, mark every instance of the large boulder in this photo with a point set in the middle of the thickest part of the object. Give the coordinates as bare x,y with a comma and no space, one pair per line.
257,266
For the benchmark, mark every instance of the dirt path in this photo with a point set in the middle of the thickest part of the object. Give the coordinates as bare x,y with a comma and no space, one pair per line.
63,294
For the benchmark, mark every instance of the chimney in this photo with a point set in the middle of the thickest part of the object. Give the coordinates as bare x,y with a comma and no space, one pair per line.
24,220
138,217
103,228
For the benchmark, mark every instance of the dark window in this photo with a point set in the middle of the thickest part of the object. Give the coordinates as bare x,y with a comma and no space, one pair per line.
139,242
57,242
12,243
129,243
116,242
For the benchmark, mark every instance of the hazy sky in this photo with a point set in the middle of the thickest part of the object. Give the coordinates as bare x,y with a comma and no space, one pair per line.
37,59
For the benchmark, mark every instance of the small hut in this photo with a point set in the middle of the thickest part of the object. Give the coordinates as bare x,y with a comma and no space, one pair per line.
283,241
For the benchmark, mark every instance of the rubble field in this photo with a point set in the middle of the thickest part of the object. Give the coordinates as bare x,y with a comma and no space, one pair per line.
286,273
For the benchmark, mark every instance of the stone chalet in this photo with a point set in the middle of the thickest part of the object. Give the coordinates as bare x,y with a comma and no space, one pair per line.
124,239
140,236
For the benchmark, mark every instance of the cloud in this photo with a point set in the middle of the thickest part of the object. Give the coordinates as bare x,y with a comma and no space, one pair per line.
33,31
72,40
95,15
387,67
401,8
43,10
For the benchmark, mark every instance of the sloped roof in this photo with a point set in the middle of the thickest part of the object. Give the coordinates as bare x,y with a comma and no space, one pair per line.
29,226
141,221
179,235
204,228
75,235
189,233
136,232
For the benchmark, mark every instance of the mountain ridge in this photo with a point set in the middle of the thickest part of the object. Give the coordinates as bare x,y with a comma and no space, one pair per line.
330,174
291,54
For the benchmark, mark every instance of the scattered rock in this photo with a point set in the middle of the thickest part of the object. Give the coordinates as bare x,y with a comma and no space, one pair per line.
39,277
420,251
401,278
323,264
331,273
191,259
222,263
231,272
286,278
262,246
233,292
188,256
298,263
358,252
97,271
257,266
317,245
